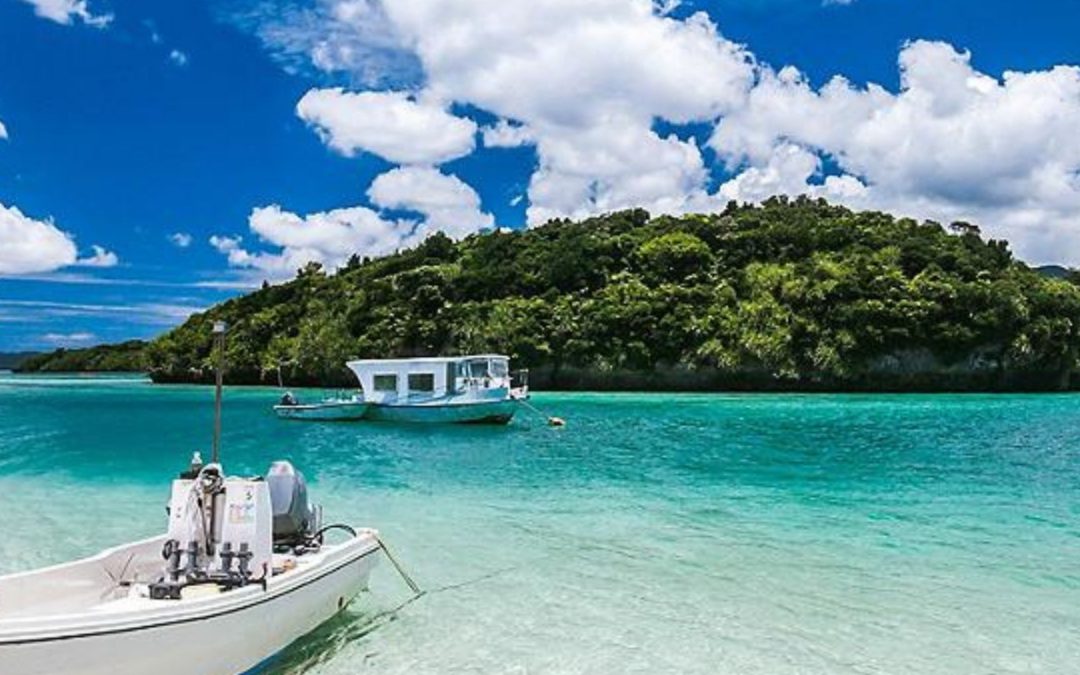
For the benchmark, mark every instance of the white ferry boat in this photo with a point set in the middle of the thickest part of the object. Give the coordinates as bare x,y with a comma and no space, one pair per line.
452,389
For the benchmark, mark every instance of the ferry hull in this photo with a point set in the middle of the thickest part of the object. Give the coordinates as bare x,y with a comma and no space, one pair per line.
485,412
227,634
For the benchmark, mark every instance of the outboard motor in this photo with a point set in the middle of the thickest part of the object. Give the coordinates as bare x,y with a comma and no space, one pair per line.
295,521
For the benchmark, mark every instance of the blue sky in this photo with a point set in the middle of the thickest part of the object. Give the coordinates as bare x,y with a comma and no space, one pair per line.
146,129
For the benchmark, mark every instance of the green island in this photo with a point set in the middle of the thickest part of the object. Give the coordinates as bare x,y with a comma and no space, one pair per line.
793,294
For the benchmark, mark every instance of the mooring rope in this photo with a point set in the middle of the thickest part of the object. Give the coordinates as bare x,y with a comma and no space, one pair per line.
551,420
417,592
442,589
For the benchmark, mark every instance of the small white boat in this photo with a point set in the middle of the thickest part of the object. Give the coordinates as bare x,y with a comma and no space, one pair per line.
242,571
456,389
340,409
184,602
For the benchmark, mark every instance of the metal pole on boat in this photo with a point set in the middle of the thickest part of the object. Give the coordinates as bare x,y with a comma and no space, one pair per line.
219,362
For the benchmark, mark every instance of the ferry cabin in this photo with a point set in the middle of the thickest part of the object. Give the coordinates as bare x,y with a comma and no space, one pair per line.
419,381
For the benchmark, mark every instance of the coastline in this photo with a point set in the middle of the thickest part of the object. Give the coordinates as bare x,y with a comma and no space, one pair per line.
676,381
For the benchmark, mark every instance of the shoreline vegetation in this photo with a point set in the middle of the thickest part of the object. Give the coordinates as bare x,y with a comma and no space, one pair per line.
792,295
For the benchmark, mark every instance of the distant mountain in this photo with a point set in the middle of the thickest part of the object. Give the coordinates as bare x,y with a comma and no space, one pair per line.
1054,271
119,358
11,360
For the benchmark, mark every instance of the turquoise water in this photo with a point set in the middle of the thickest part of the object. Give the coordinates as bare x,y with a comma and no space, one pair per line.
654,534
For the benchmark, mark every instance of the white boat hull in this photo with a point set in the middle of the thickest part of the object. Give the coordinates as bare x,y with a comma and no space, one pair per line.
323,412
473,412
222,634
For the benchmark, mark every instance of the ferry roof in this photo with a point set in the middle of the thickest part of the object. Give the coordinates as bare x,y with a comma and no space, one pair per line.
425,359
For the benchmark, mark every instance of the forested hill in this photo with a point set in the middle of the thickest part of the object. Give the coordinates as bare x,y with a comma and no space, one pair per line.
123,357
795,295
13,359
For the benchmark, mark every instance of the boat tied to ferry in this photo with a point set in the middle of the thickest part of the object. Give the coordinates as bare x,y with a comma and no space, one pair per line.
340,408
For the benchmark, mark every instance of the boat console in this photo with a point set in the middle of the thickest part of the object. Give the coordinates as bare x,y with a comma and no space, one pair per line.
224,530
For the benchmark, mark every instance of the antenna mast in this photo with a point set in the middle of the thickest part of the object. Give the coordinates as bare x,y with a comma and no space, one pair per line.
219,365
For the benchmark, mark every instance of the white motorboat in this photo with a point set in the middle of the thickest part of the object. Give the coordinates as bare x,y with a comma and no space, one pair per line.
336,409
242,571
457,389
220,604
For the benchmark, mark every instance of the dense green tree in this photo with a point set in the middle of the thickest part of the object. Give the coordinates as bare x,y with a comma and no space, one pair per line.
795,293
674,256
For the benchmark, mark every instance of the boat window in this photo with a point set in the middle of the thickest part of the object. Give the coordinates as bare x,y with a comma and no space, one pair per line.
385,382
498,368
478,368
451,377
424,382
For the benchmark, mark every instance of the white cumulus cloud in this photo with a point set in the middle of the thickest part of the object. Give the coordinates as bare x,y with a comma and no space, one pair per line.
66,12
67,339
441,202
585,82
446,202
953,143
592,87
389,124
28,245
31,246
350,37
3,132
506,135
329,238
180,239
178,57
99,258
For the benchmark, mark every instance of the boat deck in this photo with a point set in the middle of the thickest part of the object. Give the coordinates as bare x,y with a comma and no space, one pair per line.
117,582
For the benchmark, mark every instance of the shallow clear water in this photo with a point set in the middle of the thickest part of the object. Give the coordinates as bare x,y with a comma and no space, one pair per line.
655,533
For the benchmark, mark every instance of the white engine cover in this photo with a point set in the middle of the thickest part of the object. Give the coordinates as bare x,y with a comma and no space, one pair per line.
244,516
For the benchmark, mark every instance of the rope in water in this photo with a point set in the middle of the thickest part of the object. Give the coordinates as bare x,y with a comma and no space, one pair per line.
553,421
443,589
417,591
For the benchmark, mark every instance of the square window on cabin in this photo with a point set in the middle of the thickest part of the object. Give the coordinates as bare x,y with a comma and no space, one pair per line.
498,368
385,382
478,369
422,382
